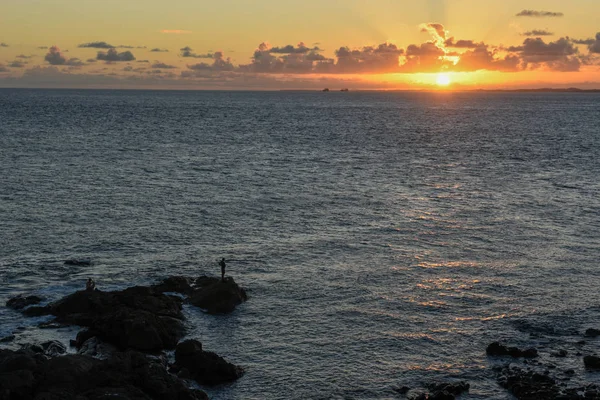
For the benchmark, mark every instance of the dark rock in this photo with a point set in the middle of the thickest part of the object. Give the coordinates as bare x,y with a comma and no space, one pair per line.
138,317
53,348
591,362
36,311
94,347
78,261
7,339
177,284
402,390
205,367
591,332
529,385
216,296
127,376
497,349
20,302
561,353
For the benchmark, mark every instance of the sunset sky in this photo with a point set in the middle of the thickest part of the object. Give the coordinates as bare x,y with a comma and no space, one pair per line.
300,44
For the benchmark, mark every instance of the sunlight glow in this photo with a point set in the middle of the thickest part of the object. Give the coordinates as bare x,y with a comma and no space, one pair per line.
443,80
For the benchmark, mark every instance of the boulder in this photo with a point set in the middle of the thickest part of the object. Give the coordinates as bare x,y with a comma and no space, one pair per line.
216,296
20,302
127,376
176,284
204,367
137,318
591,362
497,349
591,332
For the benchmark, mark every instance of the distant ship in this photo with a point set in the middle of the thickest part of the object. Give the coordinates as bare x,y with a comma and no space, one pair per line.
326,90
344,90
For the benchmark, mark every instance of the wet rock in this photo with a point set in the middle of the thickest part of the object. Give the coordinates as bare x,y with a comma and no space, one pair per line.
591,332
7,339
497,349
446,390
20,302
95,347
591,362
137,318
126,376
216,296
78,261
53,348
177,284
205,367
526,385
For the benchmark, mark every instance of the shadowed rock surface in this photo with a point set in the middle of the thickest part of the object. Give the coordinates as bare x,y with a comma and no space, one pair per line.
20,302
208,293
138,318
497,349
126,376
204,367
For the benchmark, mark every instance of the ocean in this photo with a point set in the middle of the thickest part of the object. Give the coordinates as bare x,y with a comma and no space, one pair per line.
385,239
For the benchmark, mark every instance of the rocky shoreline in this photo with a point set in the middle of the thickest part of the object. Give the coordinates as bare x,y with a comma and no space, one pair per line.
121,349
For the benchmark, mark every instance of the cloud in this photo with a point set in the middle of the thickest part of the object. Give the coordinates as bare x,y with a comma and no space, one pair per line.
157,50
461,44
561,55
187,51
3,68
55,57
538,32
43,47
539,14
437,31
592,43
4,45
75,62
143,61
300,48
160,65
176,31
220,64
482,58
17,64
96,45
24,57
112,55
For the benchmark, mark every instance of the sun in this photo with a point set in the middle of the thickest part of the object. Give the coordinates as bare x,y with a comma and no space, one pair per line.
443,80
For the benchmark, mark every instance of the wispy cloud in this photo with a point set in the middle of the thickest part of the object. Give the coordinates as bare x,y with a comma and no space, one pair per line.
176,31
96,45
539,14
3,44
157,50
538,32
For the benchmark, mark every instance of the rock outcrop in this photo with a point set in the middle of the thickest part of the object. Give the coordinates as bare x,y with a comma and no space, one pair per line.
128,375
208,293
204,367
497,349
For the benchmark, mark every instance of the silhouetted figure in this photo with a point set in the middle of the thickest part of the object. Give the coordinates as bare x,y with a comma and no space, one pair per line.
90,285
222,264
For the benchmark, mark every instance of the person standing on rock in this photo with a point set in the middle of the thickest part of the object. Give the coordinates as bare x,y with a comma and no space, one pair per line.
222,264
90,285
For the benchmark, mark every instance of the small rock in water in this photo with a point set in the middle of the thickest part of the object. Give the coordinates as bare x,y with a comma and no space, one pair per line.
497,349
78,261
591,362
7,339
591,332
20,302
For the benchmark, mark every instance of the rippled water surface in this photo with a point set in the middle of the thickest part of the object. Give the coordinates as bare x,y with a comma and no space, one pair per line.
385,238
